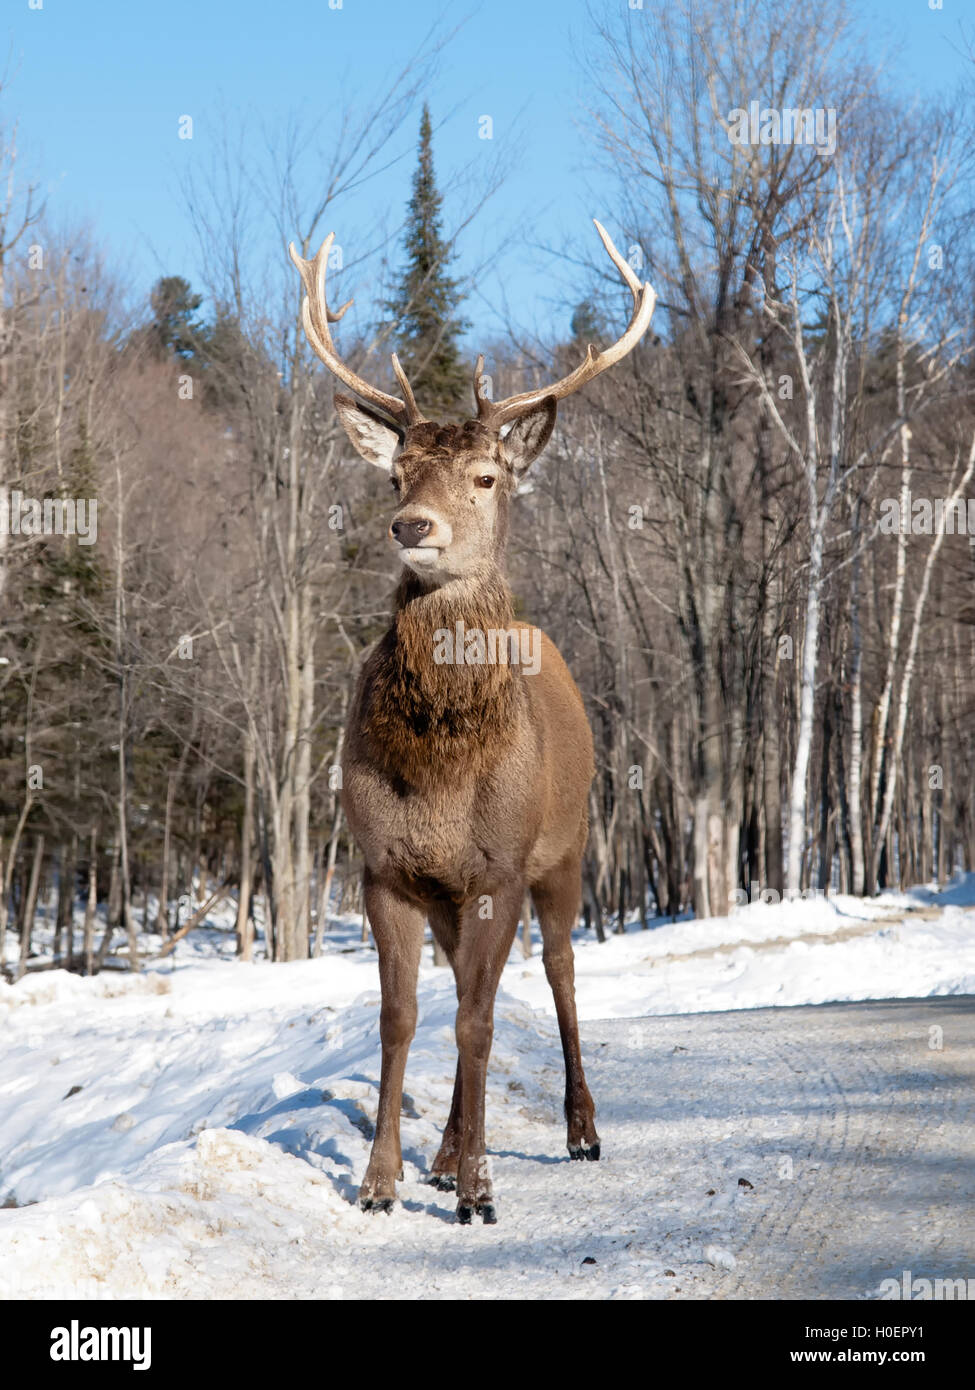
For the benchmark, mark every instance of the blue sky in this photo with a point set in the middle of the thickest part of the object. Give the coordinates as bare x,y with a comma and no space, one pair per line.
97,87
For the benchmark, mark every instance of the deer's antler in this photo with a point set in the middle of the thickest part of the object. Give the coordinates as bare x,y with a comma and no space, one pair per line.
316,316
497,413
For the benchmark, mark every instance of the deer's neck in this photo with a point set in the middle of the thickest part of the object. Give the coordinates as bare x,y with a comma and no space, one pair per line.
425,712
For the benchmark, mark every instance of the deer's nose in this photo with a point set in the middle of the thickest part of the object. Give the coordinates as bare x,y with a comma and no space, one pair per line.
410,533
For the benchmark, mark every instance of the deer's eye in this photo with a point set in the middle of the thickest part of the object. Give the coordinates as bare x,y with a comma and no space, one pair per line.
486,480
394,484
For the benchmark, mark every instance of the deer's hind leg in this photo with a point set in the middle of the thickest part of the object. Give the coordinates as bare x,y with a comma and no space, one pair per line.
557,897
443,1173
444,922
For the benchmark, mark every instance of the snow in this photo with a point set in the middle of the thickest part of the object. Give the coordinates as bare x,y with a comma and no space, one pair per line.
200,1130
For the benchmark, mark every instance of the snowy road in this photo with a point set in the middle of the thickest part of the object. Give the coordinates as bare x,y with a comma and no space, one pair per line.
854,1123
787,1153
200,1131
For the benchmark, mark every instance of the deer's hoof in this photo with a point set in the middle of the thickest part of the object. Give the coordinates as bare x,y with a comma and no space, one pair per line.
485,1210
443,1182
377,1204
589,1152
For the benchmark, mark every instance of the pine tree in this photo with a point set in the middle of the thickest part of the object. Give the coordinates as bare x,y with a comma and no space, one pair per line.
427,300
173,328
587,325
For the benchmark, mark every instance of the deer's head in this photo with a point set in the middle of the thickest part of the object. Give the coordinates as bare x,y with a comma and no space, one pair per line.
453,482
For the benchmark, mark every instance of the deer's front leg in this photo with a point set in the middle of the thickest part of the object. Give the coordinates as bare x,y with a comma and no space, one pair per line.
397,927
483,950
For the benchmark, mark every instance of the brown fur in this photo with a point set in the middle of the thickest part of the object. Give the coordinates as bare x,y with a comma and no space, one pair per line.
422,720
464,786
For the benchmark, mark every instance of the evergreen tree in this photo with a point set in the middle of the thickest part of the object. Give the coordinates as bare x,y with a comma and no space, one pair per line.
586,324
225,356
427,300
173,329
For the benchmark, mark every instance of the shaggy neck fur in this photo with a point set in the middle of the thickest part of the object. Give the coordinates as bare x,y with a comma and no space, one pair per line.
421,717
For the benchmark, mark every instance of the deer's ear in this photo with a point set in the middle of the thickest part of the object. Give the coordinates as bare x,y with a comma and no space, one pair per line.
529,434
373,438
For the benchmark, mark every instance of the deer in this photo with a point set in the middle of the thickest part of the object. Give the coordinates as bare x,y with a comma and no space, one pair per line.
465,783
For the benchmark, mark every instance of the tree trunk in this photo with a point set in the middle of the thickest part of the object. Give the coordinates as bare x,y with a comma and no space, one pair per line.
91,903
30,902
857,856
245,926
325,892
162,916
807,697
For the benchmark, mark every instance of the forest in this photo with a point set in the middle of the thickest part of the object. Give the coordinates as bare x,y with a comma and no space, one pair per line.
753,541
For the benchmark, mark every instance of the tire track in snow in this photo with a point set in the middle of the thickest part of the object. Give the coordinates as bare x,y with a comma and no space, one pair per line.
885,1117
874,1110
